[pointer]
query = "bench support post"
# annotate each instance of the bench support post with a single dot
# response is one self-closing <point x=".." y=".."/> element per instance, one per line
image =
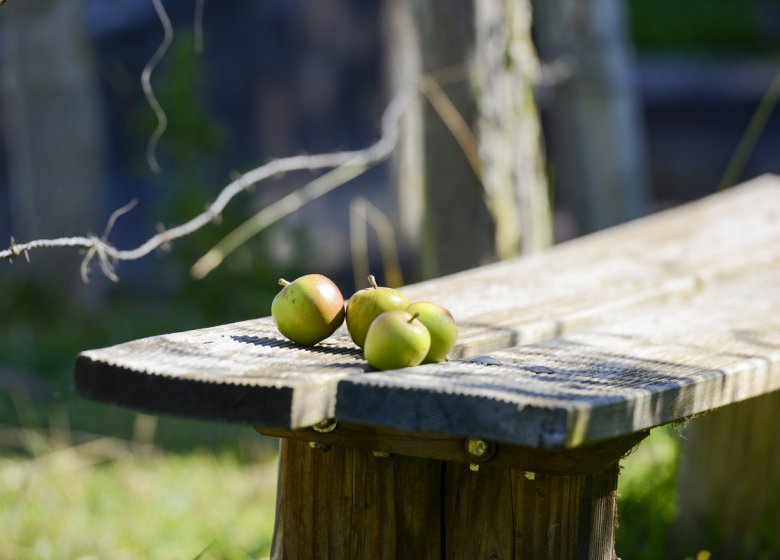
<point x="729" y="480"/>
<point x="339" y="501"/>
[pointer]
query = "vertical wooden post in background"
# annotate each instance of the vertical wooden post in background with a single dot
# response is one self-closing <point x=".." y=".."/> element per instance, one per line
<point x="54" y="137"/>
<point x="595" y="132"/>
<point x="461" y="214"/>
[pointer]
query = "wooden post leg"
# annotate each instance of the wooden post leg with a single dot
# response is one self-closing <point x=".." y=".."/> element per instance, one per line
<point x="729" y="481"/>
<point x="514" y="514"/>
<point x="344" y="502"/>
<point x="347" y="503"/>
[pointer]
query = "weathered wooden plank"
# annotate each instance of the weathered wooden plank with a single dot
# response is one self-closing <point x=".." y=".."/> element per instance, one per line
<point x="670" y="362"/>
<point x="242" y="372"/>
<point x="245" y="372"/>
<point x="595" y="277"/>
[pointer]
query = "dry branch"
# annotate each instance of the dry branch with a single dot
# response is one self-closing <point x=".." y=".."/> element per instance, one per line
<point x="108" y="255"/>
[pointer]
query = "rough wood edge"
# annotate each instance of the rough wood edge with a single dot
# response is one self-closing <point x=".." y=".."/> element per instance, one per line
<point x="166" y="395"/>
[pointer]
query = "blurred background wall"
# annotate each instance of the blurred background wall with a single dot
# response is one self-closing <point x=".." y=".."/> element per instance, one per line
<point x="280" y="78"/>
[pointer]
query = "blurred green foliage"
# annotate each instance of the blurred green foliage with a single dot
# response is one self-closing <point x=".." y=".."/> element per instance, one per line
<point x="190" y="153"/>
<point x="714" y="26"/>
<point x="113" y="502"/>
<point x="43" y="327"/>
<point x="647" y="496"/>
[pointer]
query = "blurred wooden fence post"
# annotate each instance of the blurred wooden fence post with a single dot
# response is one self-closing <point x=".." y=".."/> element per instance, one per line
<point x="595" y="129"/>
<point x="482" y="195"/>
<point x="52" y="126"/>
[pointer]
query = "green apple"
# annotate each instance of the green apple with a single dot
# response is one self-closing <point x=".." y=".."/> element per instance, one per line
<point x="396" y="339"/>
<point x="308" y="310"/>
<point x="440" y="325"/>
<point x="367" y="304"/>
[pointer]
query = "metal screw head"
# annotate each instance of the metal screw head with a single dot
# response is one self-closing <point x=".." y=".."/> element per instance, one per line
<point x="325" y="426"/>
<point x="478" y="449"/>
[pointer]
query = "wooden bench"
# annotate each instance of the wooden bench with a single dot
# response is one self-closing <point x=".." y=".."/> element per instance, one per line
<point x="565" y="360"/>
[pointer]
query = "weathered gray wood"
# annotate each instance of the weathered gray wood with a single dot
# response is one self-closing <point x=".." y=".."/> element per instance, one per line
<point x="600" y="276"/>
<point x="245" y="372"/>
<point x="669" y="362"/>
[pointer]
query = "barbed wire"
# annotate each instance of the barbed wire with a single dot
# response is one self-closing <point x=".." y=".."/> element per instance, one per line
<point x="108" y="256"/>
<point x="146" y="85"/>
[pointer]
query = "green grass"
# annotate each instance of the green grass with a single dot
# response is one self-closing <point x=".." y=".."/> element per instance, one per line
<point x="647" y="496"/>
<point x="108" y="498"/>
<point x="65" y="495"/>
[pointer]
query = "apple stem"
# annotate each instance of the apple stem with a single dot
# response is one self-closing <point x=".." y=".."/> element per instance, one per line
<point x="283" y="282"/>
<point x="372" y="281"/>
<point x="414" y="317"/>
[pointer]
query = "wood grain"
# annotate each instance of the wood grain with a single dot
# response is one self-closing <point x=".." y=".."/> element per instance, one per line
<point x="505" y="514"/>
<point x="603" y="275"/>
<point x="669" y="362"/>
<point x="345" y="503"/>
<point x="243" y="372"/>
<point x="605" y="381"/>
